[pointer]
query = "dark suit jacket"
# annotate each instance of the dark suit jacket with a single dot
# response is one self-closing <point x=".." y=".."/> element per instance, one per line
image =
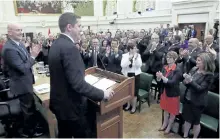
<point x="154" y="61"/>
<point x="69" y="90"/>
<point x="172" y="86"/>
<point x="199" y="88"/>
<point x="174" y="47"/>
<point x="192" y="35"/>
<point x="91" y="58"/>
<point x="186" y="63"/>
<point x="215" y="47"/>
<point x="113" y="63"/>
<point x="19" y="68"/>
<point x="46" y="48"/>
<point x="142" y="45"/>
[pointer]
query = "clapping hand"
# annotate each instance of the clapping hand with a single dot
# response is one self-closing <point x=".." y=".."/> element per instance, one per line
<point x="27" y="44"/>
<point x="159" y="75"/>
<point x="35" y="50"/>
<point x="188" y="78"/>
<point x="184" y="52"/>
<point x="153" y="47"/>
<point x="212" y="51"/>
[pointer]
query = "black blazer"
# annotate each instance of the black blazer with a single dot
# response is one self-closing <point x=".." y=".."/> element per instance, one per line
<point x="91" y="58"/>
<point x="174" y="47"/>
<point x="199" y="88"/>
<point x="215" y="47"/>
<point x="172" y="85"/>
<point x="69" y="91"/>
<point x="190" y="34"/>
<point x="19" y="64"/>
<point x="113" y="63"/>
<point x="154" y="61"/>
<point x="187" y="63"/>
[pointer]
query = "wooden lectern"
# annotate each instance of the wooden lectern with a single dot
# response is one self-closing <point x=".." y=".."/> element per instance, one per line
<point x="106" y="117"/>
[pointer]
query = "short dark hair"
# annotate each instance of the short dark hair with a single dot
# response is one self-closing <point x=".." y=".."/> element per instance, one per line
<point x="67" y="18"/>
<point x="129" y="47"/>
<point x="115" y="40"/>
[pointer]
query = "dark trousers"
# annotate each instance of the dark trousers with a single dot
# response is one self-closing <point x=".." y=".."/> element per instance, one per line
<point x="74" y="128"/>
<point x="28" y="109"/>
<point x="137" y="82"/>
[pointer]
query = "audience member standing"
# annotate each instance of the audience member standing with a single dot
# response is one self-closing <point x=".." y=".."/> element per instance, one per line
<point x="131" y="67"/>
<point x="69" y="90"/>
<point x="197" y="82"/>
<point x="169" y="79"/>
<point x="19" y="64"/>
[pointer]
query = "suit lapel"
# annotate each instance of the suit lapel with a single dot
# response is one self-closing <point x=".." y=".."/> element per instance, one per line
<point x="22" y="54"/>
<point x="158" y="47"/>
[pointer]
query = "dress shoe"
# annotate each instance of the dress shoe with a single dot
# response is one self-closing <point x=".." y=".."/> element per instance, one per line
<point x="132" y="112"/>
<point x="127" y="108"/>
<point x="37" y="134"/>
<point x="30" y="134"/>
<point x="162" y="129"/>
<point x="23" y="134"/>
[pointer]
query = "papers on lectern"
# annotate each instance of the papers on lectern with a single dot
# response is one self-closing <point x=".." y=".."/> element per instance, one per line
<point x="43" y="88"/>
<point x="91" y="79"/>
<point x="104" y="84"/>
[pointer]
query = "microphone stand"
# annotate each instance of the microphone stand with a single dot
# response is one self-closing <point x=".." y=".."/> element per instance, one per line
<point x="118" y="78"/>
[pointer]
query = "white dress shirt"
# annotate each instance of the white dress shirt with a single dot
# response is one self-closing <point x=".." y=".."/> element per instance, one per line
<point x="68" y="37"/>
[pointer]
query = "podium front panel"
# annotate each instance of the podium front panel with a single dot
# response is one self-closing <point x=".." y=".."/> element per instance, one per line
<point x="124" y="92"/>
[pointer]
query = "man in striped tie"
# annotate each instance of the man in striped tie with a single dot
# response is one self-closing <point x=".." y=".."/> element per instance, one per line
<point x="19" y="64"/>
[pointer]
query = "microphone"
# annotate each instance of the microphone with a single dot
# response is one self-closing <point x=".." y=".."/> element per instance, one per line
<point x="118" y="78"/>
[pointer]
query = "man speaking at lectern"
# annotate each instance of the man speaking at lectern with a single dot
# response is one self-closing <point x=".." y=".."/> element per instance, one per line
<point x="69" y="90"/>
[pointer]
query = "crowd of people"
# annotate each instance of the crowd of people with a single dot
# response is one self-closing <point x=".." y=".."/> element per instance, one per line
<point x="171" y="55"/>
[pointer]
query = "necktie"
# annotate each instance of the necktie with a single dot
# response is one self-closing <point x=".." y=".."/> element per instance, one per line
<point x="95" y="58"/>
<point x="23" y="50"/>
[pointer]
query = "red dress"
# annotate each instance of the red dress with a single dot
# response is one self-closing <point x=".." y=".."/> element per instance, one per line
<point x="169" y="104"/>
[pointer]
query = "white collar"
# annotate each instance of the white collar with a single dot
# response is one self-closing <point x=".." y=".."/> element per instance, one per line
<point x="16" y="42"/>
<point x="210" y="45"/>
<point x="68" y="37"/>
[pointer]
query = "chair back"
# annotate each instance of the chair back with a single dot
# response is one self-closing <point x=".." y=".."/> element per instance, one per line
<point x="145" y="81"/>
<point x="143" y="68"/>
<point x="212" y="108"/>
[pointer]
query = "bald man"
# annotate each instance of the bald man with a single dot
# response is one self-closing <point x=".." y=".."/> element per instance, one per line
<point x="209" y="39"/>
<point x="188" y="56"/>
<point x="19" y="64"/>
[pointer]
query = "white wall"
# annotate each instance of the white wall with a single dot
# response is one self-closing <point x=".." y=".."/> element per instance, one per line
<point x="163" y="4"/>
<point x="194" y="12"/>
<point x="167" y="11"/>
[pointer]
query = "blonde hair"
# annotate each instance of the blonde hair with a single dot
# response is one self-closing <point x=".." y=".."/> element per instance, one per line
<point x="172" y="54"/>
<point x="208" y="62"/>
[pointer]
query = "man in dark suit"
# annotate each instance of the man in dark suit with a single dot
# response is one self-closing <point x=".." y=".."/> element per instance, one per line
<point x="69" y="90"/>
<point x="209" y="44"/>
<point x="154" y="55"/>
<point x="188" y="56"/>
<point x="96" y="54"/>
<point x="192" y="32"/>
<point x="19" y="64"/>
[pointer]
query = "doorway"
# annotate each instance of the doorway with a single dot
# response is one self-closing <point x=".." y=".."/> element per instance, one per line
<point x="199" y="27"/>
